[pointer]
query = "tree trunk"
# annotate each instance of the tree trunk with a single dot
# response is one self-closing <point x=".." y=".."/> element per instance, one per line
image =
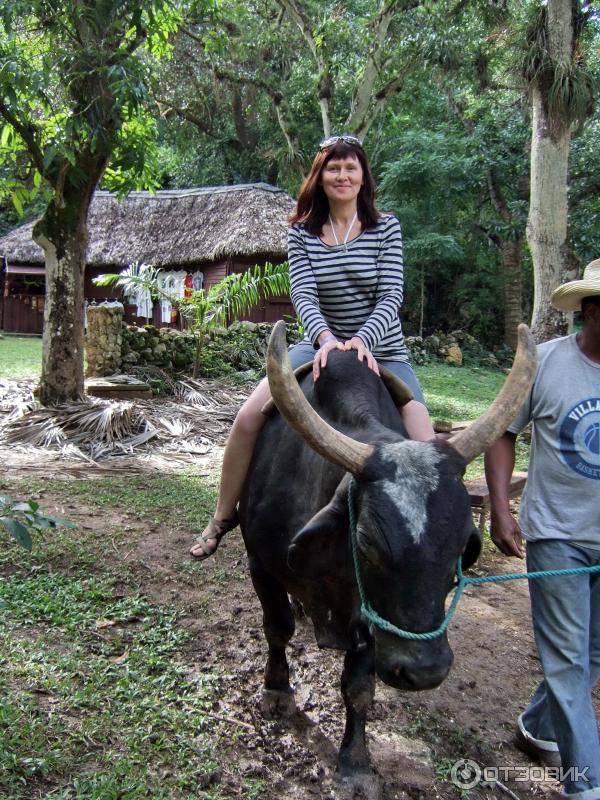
<point x="63" y="235"/>
<point x="510" y="250"/>
<point x="510" y="254"/>
<point x="547" y="221"/>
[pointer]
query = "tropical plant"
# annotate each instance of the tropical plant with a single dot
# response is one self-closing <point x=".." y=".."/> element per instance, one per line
<point x="557" y="48"/>
<point x="231" y="296"/>
<point x="22" y="518"/>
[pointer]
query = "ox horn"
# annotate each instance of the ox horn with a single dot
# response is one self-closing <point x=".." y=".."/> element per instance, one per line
<point x="482" y="433"/>
<point x="301" y="416"/>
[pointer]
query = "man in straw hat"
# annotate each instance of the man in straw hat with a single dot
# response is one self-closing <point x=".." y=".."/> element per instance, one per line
<point x="560" y="520"/>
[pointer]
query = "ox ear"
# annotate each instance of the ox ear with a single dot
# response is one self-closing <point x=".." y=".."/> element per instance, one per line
<point x="318" y="549"/>
<point x="472" y="550"/>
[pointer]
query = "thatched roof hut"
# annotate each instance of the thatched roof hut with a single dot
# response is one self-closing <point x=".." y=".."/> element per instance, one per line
<point x="175" y="228"/>
<point x="212" y="230"/>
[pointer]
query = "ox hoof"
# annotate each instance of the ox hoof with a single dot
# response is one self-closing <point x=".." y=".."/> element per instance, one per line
<point x="275" y="704"/>
<point x="367" y="785"/>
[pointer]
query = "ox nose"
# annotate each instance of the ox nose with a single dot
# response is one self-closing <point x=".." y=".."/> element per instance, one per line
<point x="416" y="673"/>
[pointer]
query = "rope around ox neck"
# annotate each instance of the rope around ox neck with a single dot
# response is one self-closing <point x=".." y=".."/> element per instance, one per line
<point x="462" y="581"/>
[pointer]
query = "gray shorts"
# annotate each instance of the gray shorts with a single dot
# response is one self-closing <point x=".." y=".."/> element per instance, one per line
<point x="303" y="352"/>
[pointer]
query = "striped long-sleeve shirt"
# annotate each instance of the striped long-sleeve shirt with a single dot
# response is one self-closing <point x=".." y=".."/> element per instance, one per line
<point x="353" y="292"/>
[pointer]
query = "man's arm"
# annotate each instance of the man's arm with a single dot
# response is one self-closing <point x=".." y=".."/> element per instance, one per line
<point x="499" y="465"/>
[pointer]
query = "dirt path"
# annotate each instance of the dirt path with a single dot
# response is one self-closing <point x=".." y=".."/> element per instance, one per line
<point x="414" y="738"/>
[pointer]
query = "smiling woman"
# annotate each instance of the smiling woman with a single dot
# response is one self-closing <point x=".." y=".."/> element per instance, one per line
<point x="346" y="277"/>
<point x="342" y="180"/>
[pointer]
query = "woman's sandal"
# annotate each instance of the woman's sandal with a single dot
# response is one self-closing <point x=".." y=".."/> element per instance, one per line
<point x="214" y="532"/>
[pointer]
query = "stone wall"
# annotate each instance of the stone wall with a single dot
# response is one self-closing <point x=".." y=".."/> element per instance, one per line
<point x="166" y="348"/>
<point x="103" y="339"/>
<point x="242" y="347"/>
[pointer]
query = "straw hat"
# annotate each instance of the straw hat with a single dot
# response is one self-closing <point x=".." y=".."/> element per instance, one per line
<point x="568" y="297"/>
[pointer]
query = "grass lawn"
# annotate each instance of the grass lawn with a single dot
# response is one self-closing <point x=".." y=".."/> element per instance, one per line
<point x="458" y="393"/>
<point x="20" y="356"/>
<point x="464" y="393"/>
<point x="98" y="701"/>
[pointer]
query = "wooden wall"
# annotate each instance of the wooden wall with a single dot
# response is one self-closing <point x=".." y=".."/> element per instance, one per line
<point x="23" y="313"/>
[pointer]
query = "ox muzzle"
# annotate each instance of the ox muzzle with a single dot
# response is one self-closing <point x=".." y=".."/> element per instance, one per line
<point x="411" y="665"/>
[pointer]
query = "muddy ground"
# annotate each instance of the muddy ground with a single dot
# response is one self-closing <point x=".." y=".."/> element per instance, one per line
<point x="414" y="738"/>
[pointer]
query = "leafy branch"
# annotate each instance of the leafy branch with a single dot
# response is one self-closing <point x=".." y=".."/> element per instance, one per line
<point x="22" y="518"/>
<point x="233" y="295"/>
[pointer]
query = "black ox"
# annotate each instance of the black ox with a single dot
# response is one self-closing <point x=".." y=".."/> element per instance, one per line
<point x="413" y="522"/>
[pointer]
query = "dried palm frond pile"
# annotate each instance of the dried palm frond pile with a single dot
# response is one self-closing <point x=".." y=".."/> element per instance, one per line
<point x="16" y="397"/>
<point x="91" y="429"/>
<point x="184" y="425"/>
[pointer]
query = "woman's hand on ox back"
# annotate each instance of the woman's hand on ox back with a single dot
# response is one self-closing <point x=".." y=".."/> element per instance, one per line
<point x="363" y="352"/>
<point x="320" y="359"/>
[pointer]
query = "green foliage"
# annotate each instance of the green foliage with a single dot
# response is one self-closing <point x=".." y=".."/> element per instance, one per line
<point x="432" y="174"/>
<point x="569" y="84"/>
<point x="244" y="91"/>
<point x="74" y="90"/>
<point x="238" y="292"/>
<point x="135" y="163"/>
<point x="231" y="296"/>
<point x="20" y="519"/>
<point x="241" y="350"/>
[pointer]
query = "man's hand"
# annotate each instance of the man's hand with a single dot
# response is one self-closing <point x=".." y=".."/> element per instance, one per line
<point x="363" y="352"/>
<point x="320" y="359"/>
<point x="506" y="534"/>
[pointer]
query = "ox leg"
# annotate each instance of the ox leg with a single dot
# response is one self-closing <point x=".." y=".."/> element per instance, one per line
<point x="358" y="688"/>
<point x="278" y="625"/>
<point x="356" y="776"/>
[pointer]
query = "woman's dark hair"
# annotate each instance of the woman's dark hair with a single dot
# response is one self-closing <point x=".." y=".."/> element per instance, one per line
<point x="312" y="209"/>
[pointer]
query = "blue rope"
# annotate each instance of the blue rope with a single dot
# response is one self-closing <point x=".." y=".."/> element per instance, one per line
<point x="462" y="582"/>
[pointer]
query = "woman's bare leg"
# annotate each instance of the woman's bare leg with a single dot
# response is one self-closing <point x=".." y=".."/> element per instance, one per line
<point x="236" y="460"/>
<point x="417" y="422"/>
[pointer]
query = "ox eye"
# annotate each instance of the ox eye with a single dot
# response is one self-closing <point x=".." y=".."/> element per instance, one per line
<point x="368" y="548"/>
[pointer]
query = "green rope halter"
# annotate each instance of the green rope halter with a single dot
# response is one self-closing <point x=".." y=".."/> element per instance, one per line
<point x="462" y="581"/>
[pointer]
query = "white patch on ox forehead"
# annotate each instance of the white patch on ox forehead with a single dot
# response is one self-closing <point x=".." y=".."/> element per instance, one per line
<point x="416" y="478"/>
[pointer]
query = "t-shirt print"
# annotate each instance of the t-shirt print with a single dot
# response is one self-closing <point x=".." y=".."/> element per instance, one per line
<point x="580" y="438"/>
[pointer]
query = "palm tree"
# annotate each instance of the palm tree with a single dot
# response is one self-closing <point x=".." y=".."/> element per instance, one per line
<point x="233" y="295"/>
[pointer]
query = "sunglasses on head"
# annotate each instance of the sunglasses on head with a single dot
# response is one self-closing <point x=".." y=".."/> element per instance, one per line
<point x="347" y="138"/>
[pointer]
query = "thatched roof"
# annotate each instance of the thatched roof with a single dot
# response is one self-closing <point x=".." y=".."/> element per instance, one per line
<point x="175" y="227"/>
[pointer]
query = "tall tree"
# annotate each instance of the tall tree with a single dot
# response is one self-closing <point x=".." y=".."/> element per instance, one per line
<point x="561" y="94"/>
<point x="307" y="65"/>
<point x="73" y="83"/>
<point x="464" y="52"/>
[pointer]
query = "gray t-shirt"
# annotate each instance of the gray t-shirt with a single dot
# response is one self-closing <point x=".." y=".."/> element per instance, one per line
<point x="562" y="495"/>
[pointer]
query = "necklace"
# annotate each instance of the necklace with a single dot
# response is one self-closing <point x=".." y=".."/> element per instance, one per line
<point x="348" y="229"/>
